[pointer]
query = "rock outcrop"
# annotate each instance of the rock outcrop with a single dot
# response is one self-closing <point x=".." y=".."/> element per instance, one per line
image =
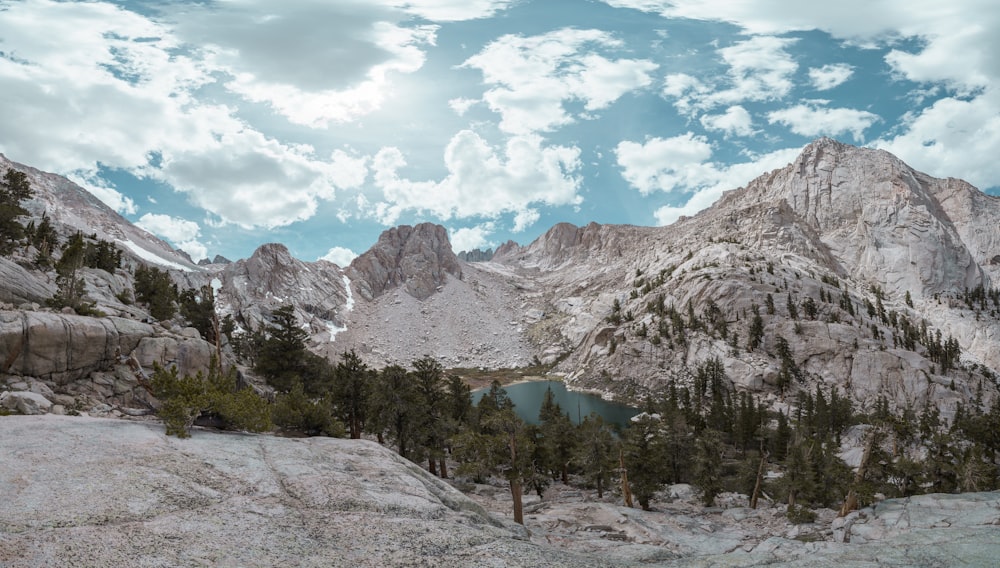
<point x="253" y="288"/>
<point x="18" y="286"/>
<point x="92" y="492"/>
<point x="417" y="258"/>
<point x="97" y="492"/>
<point x="85" y="360"/>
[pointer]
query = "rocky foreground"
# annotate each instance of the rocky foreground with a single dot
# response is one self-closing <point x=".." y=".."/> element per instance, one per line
<point x="80" y="491"/>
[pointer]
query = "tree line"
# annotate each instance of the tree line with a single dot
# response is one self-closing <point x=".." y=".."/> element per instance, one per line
<point x="703" y="433"/>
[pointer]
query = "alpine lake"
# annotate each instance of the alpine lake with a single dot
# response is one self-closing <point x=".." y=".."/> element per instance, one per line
<point x="527" y="398"/>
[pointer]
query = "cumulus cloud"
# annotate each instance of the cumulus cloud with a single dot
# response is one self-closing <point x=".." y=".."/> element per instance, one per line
<point x="953" y="138"/>
<point x="718" y="178"/>
<point x="106" y="192"/>
<point x="134" y="107"/>
<point x="817" y="120"/>
<point x="829" y="76"/>
<point x="451" y="10"/>
<point x="340" y="256"/>
<point x="482" y="180"/>
<point x="759" y="69"/>
<point x="736" y="121"/>
<point x="682" y="165"/>
<point x="471" y="238"/>
<point x="180" y="232"/>
<point x="532" y="78"/>
<point x="955" y="47"/>
<point x="664" y="164"/>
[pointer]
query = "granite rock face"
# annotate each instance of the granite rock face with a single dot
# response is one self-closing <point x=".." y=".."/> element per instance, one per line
<point x="418" y="258"/>
<point x="91" y="492"/>
<point x="96" y="492"/>
<point x="252" y="289"/>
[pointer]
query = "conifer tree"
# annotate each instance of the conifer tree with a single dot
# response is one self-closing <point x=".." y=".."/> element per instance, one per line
<point x="352" y="390"/>
<point x="644" y="458"/>
<point x="595" y="453"/>
<point x="14" y="188"/>
<point x="557" y="437"/>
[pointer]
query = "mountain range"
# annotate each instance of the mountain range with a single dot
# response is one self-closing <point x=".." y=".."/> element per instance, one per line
<point x="855" y="269"/>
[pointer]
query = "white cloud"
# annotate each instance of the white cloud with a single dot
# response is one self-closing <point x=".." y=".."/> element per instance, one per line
<point x="451" y="10"/>
<point x="829" y="76"/>
<point x="470" y="238"/>
<point x="717" y="179"/>
<point x="105" y="191"/>
<point x="482" y="181"/>
<point x="180" y="232"/>
<point x="681" y="165"/>
<point x="815" y="120"/>
<point x="953" y="138"/>
<point x="759" y="70"/>
<point x="955" y="46"/>
<point x="664" y="164"/>
<point x="532" y="78"/>
<point x="462" y="105"/>
<point x="340" y="256"/>
<point x="736" y="121"/>
<point x="124" y="97"/>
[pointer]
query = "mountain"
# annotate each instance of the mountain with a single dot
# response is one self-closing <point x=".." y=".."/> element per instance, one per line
<point x="868" y="277"/>
<point x="72" y="208"/>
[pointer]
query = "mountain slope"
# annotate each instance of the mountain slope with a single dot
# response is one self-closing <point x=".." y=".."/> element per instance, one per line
<point x="866" y="276"/>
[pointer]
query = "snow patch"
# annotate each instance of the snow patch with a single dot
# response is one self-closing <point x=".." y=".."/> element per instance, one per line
<point x="349" y="305"/>
<point x="153" y="257"/>
<point x="334" y="329"/>
<point x="216" y="285"/>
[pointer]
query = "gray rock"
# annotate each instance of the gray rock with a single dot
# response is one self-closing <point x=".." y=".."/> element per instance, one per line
<point x="110" y="492"/>
<point x="25" y="402"/>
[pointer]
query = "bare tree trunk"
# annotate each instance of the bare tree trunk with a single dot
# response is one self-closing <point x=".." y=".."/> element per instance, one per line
<point x="851" y="501"/>
<point x="444" y="467"/>
<point x="515" y="492"/>
<point x="626" y="490"/>
<point x="565" y="474"/>
<point x="760" y="481"/>
<point x="432" y="465"/>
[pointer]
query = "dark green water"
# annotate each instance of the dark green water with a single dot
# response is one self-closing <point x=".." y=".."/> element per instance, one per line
<point x="527" y="398"/>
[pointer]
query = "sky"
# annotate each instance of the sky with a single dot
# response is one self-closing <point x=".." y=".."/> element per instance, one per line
<point x="221" y="125"/>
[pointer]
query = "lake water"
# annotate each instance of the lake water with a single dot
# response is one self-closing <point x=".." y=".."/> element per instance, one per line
<point x="527" y="398"/>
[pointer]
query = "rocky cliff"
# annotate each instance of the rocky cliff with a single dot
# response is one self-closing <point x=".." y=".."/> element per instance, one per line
<point x="417" y="258"/>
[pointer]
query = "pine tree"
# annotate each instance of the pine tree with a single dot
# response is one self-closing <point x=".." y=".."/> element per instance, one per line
<point x="433" y="431"/>
<point x="394" y="407"/>
<point x="644" y="458"/>
<point x="756" y="333"/>
<point x="708" y="465"/>
<point x="71" y="286"/>
<point x="154" y="287"/>
<point x="186" y="398"/>
<point x="351" y="391"/>
<point x="281" y="359"/>
<point x="557" y="437"/>
<point x="595" y="452"/>
<point x="14" y="188"/>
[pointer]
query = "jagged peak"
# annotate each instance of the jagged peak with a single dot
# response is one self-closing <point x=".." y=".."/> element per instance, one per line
<point x="418" y="257"/>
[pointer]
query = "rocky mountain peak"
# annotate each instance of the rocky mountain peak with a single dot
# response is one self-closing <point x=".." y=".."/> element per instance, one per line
<point x="419" y="258"/>
<point x="867" y="215"/>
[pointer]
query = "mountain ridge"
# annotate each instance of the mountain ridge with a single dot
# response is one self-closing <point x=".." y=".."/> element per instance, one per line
<point x="626" y="310"/>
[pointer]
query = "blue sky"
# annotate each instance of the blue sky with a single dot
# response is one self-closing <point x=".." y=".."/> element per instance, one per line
<point x="223" y="125"/>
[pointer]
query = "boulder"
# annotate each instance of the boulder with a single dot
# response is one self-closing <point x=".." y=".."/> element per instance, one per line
<point x="25" y="402"/>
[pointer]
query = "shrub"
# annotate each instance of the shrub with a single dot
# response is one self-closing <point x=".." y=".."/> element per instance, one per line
<point x="186" y="398"/>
